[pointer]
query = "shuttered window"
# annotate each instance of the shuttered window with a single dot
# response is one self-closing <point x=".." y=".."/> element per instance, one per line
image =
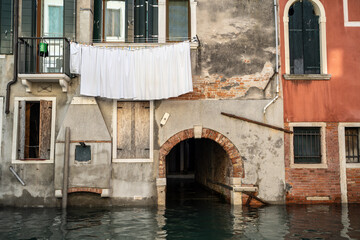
<point x="304" y="39"/>
<point x="58" y="18"/>
<point x="133" y="130"/>
<point x="6" y="26"/>
<point x="125" y="20"/>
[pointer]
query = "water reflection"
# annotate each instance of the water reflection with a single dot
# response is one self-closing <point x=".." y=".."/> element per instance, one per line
<point x="193" y="219"/>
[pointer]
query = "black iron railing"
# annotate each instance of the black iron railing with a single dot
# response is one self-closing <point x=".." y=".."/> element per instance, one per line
<point x="55" y="59"/>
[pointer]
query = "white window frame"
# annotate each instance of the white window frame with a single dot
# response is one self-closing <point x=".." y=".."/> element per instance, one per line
<point x="15" y="130"/>
<point x="320" y="11"/>
<point x="114" y="127"/>
<point x="322" y="126"/>
<point x="348" y="23"/>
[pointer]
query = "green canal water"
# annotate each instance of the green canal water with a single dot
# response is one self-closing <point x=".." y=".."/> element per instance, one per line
<point x="191" y="213"/>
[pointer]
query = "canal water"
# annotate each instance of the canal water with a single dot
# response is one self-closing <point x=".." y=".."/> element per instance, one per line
<point x="191" y="213"/>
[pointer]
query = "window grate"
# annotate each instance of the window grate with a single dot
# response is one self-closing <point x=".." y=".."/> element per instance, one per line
<point x="352" y="145"/>
<point x="307" y="145"/>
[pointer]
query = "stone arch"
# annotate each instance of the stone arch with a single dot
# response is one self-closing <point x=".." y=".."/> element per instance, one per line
<point x="223" y="141"/>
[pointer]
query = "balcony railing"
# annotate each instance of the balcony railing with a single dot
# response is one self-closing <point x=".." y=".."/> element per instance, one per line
<point x="57" y="59"/>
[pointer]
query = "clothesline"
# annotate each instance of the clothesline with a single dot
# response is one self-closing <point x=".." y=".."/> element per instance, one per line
<point x="140" y="74"/>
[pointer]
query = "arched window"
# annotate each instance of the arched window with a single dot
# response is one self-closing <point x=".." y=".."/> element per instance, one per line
<point x="305" y="38"/>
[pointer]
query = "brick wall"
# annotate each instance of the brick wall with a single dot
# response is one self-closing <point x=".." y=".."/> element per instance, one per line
<point x="219" y="87"/>
<point x="353" y="184"/>
<point x="315" y="182"/>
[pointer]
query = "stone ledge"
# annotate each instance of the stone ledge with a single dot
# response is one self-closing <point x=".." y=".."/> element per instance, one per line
<point x="245" y="189"/>
<point x="307" y="77"/>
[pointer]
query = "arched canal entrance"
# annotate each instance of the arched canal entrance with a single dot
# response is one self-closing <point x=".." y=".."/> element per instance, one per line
<point x="206" y="158"/>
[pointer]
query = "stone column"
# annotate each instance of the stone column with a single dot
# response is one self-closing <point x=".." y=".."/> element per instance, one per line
<point x="85" y="19"/>
<point x="161" y="191"/>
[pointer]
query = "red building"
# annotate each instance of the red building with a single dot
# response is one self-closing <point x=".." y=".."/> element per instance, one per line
<point x="320" y="64"/>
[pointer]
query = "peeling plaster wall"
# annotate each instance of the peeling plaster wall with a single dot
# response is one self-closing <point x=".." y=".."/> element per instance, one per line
<point x="237" y="49"/>
<point x="261" y="148"/>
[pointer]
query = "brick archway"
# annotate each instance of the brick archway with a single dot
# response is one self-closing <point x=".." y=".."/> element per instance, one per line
<point x="223" y="141"/>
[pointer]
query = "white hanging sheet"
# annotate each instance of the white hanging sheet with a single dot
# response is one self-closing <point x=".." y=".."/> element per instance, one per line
<point x="143" y="74"/>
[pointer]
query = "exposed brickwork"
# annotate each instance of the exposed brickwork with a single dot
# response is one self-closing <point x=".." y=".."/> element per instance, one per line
<point x="310" y="182"/>
<point x="219" y="87"/>
<point x="85" y="189"/>
<point x="223" y="141"/>
<point x="353" y="184"/>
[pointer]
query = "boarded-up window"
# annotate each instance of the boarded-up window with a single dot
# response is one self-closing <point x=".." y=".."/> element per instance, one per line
<point x="34" y="130"/>
<point x="133" y="130"/>
<point x="304" y="39"/>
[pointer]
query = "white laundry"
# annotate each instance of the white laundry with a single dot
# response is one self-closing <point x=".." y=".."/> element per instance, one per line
<point x="75" y="58"/>
<point x="143" y="74"/>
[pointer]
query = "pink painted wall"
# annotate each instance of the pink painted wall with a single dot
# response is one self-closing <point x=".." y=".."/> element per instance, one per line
<point x="337" y="99"/>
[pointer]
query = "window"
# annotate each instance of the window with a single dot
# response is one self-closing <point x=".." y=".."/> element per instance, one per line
<point x="305" y="39"/>
<point x="6" y="26"/>
<point x="133" y="131"/>
<point x="125" y="21"/>
<point x="352" y="145"/>
<point x="33" y="136"/>
<point x="307" y="145"/>
<point x="178" y="20"/>
<point x="57" y="18"/>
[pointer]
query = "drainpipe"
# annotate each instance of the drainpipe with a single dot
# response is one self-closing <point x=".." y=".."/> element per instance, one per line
<point x="277" y="59"/>
<point x="15" y="48"/>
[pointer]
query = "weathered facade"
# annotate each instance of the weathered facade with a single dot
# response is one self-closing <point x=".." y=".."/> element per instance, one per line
<point x="322" y="101"/>
<point x="120" y="150"/>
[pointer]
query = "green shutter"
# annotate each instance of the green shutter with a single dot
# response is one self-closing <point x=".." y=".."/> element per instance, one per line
<point x="311" y="39"/>
<point x="140" y="21"/>
<point x="97" y="21"/>
<point x="28" y="18"/>
<point x="153" y="21"/>
<point x="304" y="39"/>
<point x="6" y="26"/>
<point x="70" y="19"/>
<point x="129" y="19"/>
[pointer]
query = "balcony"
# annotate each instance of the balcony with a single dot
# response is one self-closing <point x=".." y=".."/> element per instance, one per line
<point x="49" y="66"/>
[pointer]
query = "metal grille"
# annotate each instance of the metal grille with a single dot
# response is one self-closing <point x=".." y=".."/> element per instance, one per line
<point x="56" y="61"/>
<point x="307" y="145"/>
<point x="352" y="145"/>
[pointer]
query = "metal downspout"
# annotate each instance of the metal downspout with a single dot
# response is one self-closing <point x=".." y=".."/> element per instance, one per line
<point x="277" y="58"/>
<point x="15" y="48"/>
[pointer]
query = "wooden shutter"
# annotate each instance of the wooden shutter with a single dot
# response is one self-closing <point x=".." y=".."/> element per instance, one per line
<point x="152" y="34"/>
<point x="28" y="18"/>
<point x="133" y="130"/>
<point x="21" y="129"/>
<point x="311" y="39"/>
<point x="140" y="20"/>
<point x="98" y="7"/>
<point x="70" y="19"/>
<point x="6" y="26"/>
<point x="45" y="129"/>
<point x="296" y="39"/>
<point x="304" y="39"/>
